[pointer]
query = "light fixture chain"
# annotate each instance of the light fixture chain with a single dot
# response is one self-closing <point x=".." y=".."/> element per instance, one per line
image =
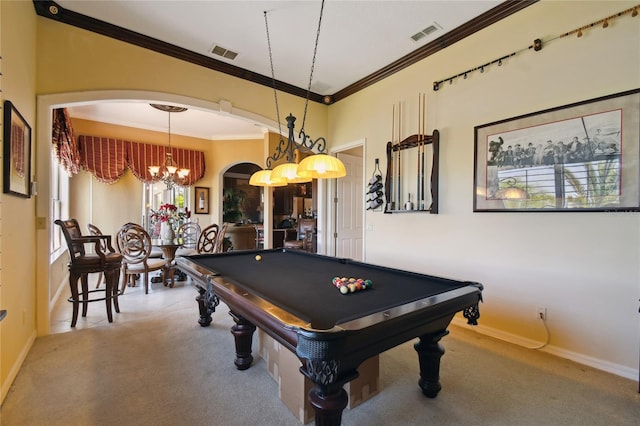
<point x="313" y="63"/>
<point x="273" y="76"/>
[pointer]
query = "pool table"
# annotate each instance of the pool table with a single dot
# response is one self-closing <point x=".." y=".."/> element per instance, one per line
<point x="290" y="295"/>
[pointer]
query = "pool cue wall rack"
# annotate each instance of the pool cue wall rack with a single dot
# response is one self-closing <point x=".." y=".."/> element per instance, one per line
<point x="418" y="142"/>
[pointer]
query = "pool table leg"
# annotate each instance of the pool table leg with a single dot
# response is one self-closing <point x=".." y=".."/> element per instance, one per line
<point x="429" y="354"/>
<point x="243" y="333"/>
<point x="207" y="302"/>
<point x="327" y="397"/>
<point x="328" y="406"/>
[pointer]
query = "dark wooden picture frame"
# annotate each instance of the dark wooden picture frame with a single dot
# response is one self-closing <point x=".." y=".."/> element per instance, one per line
<point x="17" y="153"/>
<point x="578" y="157"/>
<point x="202" y="200"/>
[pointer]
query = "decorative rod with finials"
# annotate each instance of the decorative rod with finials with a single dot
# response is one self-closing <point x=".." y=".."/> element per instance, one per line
<point x="536" y="46"/>
<point x="169" y="172"/>
<point x="318" y="165"/>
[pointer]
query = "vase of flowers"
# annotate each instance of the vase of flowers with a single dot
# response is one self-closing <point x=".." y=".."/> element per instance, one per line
<point x="169" y="217"/>
<point x="167" y="234"/>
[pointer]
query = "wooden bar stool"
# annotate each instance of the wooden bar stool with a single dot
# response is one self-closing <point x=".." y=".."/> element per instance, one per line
<point x="104" y="260"/>
<point x="304" y="237"/>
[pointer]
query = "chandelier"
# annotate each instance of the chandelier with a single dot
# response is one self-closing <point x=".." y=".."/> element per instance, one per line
<point x="169" y="172"/>
<point x="318" y="165"/>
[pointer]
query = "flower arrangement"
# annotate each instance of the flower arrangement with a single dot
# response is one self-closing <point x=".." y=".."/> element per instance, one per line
<point x="170" y="213"/>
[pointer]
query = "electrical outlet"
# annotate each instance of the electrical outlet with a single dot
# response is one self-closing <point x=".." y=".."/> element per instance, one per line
<point x="541" y="313"/>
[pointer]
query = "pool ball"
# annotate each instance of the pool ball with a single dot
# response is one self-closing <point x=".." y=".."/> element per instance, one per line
<point x="258" y="257"/>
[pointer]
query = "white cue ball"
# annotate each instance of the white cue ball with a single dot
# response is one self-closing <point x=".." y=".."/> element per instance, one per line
<point x="258" y="257"/>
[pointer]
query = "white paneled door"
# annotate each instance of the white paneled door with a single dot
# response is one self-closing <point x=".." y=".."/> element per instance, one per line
<point x="349" y="209"/>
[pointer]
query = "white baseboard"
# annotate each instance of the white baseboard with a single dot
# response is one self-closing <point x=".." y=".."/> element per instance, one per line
<point x="600" y="364"/>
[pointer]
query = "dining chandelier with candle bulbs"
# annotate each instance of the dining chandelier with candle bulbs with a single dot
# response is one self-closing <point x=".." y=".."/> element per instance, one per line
<point x="169" y="172"/>
<point x="318" y="165"/>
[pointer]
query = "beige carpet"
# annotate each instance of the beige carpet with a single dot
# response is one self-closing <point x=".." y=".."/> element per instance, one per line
<point x="164" y="369"/>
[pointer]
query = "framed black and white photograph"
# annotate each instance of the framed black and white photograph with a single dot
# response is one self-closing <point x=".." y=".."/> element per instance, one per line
<point x="578" y="157"/>
<point x="17" y="153"/>
<point x="202" y="200"/>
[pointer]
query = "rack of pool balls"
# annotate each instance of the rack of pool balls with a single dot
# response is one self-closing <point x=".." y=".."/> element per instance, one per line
<point x="351" y="285"/>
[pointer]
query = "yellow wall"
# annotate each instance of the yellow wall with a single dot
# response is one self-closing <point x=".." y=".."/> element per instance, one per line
<point x="17" y="241"/>
<point x="583" y="267"/>
<point x="94" y="62"/>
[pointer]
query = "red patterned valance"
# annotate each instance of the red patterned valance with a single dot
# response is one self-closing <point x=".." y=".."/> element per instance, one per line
<point x="64" y="142"/>
<point x="143" y="155"/>
<point x="104" y="158"/>
<point x="107" y="159"/>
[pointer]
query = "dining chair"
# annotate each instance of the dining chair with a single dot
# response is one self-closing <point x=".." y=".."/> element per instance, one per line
<point x="188" y="234"/>
<point x="211" y="239"/>
<point x="220" y="246"/>
<point x="304" y="237"/>
<point x="259" y="236"/>
<point x="104" y="260"/>
<point x="134" y="243"/>
<point x="94" y="230"/>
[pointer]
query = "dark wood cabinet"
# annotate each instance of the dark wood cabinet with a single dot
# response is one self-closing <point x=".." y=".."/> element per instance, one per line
<point x="283" y="197"/>
<point x="283" y="200"/>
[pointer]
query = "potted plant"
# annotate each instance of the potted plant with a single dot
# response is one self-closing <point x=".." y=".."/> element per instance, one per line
<point x="232" y="202"/>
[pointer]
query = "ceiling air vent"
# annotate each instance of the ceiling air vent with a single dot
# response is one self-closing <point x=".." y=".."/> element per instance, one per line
<point x="225" y="53"/>
<point x="430" y="29"/>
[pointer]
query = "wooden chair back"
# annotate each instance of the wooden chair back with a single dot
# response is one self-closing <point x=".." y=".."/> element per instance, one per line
<point x="106" y="243"/>
<point x="259" y="236"/>
<point x="220" y="238"/>
<point x="212" y="239"/>
<point x="134" y="243"/>
<point x="72" y="235"/>
<point x="304" y="226"/>
<point x="188" y="234"/>
<point x="208" y="239"/>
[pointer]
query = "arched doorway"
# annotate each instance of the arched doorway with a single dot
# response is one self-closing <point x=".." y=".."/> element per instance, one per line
<point x="50" y="284"/>
<point x="242" y="205"/>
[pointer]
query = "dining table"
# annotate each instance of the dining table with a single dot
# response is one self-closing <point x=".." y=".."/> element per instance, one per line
<point x="169" y="249"/>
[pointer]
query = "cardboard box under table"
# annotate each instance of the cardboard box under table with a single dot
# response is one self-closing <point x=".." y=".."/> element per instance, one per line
<point x="293" y="386"/>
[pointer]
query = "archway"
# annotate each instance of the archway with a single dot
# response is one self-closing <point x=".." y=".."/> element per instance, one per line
<point x="47" y="291"/>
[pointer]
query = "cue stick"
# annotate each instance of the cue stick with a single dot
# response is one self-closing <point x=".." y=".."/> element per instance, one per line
<point x="399" y="152"/>
<point x="392" y="159"/>
<point x="424" y="143"/>
<point x="418" y="158"/>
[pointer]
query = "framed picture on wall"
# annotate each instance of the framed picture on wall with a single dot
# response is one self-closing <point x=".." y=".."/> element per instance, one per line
<point x="578" y="157"/>
<point x="202" y="200"/>
<point x="17" y="153"/>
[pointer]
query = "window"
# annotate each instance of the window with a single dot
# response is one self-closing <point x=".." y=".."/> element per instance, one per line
<point x="59" y="194"/>
<point x="157" y="194"/>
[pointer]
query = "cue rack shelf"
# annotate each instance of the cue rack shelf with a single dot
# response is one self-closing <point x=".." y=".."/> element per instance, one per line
<point x="395" y="177"/>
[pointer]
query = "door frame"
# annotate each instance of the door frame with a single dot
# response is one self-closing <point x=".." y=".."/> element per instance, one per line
<point x="329" y="217"/>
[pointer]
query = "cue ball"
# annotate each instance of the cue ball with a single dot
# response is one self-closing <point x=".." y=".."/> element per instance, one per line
<point x="258" y="257"/>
